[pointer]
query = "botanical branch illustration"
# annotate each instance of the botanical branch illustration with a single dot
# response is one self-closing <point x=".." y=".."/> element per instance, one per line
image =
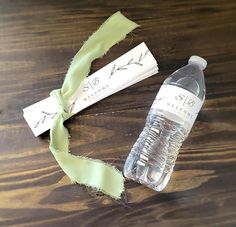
<point x="43" y="118"/>
<point x="130" y="62"/>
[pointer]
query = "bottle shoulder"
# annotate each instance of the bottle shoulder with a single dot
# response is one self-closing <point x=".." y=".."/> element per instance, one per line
<point x="190" y="78"/>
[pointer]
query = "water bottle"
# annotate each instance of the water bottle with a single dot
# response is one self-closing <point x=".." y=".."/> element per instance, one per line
<point x="169" y="121"/>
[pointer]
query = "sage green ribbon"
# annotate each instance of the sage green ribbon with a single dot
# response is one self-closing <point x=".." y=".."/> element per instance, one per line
<point x="90" y="172"/>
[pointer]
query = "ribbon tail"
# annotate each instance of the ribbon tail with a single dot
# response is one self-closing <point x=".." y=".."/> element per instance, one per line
<point x="90" y="172"/>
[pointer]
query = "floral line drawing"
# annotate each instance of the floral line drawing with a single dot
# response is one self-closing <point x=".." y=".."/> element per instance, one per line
<point x="130" y="62"/>
<point x="114" y="70"/>
<point x="43" y="118"/>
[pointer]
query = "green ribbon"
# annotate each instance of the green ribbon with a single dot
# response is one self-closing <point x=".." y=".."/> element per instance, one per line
<point x="90" y="172"/>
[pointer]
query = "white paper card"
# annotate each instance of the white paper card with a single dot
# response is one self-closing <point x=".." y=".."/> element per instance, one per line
<point x="130" y="68"/>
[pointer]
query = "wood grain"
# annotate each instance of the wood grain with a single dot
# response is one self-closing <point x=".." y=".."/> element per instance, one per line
<point x="38" y="40"/>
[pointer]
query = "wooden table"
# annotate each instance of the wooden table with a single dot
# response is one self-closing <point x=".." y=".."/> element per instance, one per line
<point x="38" y="40"/>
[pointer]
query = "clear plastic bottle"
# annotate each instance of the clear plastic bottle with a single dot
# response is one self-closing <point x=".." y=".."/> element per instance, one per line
<point x="169" y="121"/>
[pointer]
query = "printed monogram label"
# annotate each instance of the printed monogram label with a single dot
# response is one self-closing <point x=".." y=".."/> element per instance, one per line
<point x="178" y="101"/>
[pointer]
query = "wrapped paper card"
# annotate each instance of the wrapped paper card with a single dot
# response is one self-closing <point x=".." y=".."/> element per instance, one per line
<point x="130" y="68"/>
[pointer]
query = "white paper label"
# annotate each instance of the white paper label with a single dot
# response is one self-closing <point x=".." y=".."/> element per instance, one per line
<point x="132" y="67"/>
<point x="178" y="101"/>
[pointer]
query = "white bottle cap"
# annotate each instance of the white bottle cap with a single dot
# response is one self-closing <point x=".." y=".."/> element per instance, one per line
<point x="201" y="62"/>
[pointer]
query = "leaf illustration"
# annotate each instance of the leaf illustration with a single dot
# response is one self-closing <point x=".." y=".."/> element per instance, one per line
<point x="113" y="69"/>
<point x="130" y="61"/>
<point x="146" y="52"/>
<point x="45" y="113"/>
<point x="161" y="98"/>
<point x="37" y="124"/>
<point x="140" y="57"/>
<point x="121" y="68"/>
<point x="43" y="119"/>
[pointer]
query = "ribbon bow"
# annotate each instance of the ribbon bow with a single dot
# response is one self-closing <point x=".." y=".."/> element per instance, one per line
<point x="83" y="170"/>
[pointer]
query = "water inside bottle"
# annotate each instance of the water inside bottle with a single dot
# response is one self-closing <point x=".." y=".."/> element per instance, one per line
<point x="153" y="156"/>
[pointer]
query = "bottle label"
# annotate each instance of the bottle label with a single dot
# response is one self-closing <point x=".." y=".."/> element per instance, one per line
<point x="178" y="101"/>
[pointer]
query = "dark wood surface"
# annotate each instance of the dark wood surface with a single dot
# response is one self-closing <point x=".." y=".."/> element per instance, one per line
<point x="38" y="40"/>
